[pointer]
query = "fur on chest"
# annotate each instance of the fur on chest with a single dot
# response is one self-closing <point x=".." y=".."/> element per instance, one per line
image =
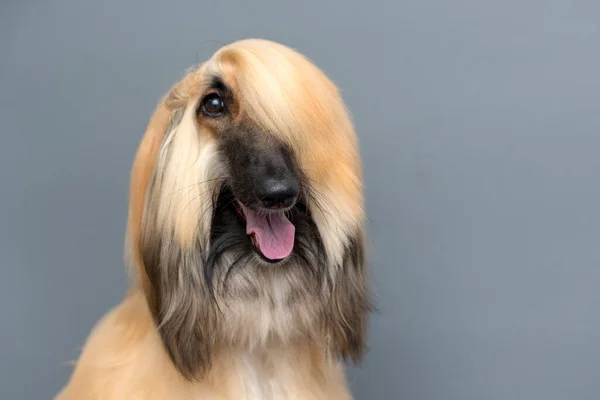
<point x="279" y="375"/>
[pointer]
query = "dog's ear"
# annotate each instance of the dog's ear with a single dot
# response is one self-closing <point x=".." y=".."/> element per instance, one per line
<point x="166" y="269"/>
<point x="141" y="175"/>
<point x="143" y="169"/>
<point x="351" y="302"/>
<point x="181" y="307"/>
<point x="176" y="292"/>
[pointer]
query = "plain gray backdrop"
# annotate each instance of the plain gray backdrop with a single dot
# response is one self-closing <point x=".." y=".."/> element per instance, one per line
<point x="479" y="123"/>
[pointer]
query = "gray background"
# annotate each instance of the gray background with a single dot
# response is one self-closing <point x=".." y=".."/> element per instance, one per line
<point x="480" y="129"/>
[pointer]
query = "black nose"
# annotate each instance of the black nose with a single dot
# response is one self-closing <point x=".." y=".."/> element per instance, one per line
<point x="277" y="193"/>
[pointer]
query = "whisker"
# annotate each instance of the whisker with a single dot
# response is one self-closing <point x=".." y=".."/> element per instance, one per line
<point x="198" y="184"/>
<point x="190" y="188"/>
<point x="317" y="198"/>
<point x="198" y="196"/>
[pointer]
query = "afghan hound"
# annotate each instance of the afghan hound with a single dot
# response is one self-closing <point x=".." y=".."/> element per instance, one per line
<point x="245" y="238"/>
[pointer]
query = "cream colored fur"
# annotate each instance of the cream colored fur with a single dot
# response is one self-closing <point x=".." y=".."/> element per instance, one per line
<point x="269" y="348"/>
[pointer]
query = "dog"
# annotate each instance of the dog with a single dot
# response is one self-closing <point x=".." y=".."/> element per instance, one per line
<point x="246" y="241"/>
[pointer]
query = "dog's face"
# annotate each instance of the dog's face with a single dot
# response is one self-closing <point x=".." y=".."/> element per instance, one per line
<point x="246" y="209"/>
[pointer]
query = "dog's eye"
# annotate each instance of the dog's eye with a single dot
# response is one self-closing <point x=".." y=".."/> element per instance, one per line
<point x="212" y="105"/>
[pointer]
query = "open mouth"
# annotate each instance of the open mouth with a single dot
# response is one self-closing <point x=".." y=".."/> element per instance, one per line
<point x="271" y="233"/>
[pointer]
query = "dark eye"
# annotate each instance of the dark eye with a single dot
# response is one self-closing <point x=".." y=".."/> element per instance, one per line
<point x="212" y="105"/>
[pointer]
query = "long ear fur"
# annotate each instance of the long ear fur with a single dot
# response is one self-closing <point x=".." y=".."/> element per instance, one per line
<point x="351" y="301"/>
<point x="142" y="172"/>
<point x="183" y="310"/>
<point x="167" y="269"/>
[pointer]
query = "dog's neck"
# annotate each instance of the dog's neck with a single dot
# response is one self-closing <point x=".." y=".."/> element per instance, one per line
<point x="275" y="371"/>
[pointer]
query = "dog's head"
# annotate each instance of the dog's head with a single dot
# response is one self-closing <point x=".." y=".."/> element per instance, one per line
<point x="246" y="209"/>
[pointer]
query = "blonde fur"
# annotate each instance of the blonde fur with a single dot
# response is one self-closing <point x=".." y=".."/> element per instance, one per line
<point x="268" y="335"/>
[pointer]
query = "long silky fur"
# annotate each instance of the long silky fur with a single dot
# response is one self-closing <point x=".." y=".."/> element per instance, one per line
<point x="185" y="279"/>
<point x="208" y="294"/>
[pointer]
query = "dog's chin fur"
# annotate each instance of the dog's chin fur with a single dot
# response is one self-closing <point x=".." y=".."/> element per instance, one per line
<point x="206" y="309"/>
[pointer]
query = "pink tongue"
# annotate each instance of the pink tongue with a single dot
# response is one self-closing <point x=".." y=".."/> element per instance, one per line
<point x="273" y="231"/>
